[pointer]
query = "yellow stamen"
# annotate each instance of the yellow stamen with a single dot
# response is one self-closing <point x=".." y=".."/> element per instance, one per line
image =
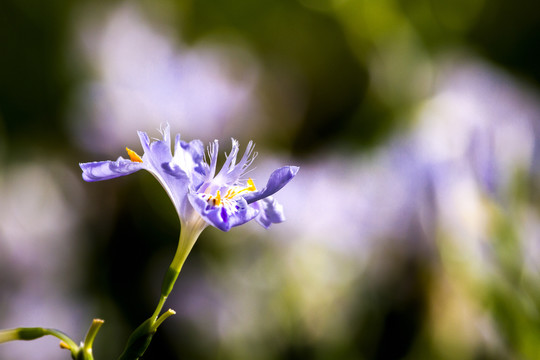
<point x="236" y="190"/>
<point x="251" y="185"/>
<point x="218" y="199"/>
<point x="63" y="345"/>
<point x="133" y="155"/>
<point x="231" y="193"/>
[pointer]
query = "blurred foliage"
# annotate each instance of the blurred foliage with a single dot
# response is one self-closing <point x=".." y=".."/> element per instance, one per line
<point x="330" y="45"/>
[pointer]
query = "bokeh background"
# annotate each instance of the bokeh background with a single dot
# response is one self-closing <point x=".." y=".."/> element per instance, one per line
<point x="413" y="226"/>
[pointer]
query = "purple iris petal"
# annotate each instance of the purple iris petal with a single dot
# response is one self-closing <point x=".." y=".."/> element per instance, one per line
<point x="271" y="212"/>
<point x="223" y="177"/>
<point x="105" y="170"/>
<point x="176" y="181"/>
<point x="278" y="179"/>
<point x="236" y="170"/>
<point x="155" y="153"/>
<point x="219" y="216"/>
<point x="244" y="214"/>
<point x="174" y="170"/>
<point x="232" y="170"/>
<point x="190" y="158"/>
<point x="213" y="149"/>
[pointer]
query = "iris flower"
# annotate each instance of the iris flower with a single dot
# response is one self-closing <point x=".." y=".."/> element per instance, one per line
<point x="223" y="200"/>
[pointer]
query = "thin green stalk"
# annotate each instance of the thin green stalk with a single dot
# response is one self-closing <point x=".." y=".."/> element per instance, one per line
<point x="83" y="352"/>
<point x="89" y="339"/>
<point x="188" y="236"/>
<point x="140" y="339"/>
<point x="32" y="333"/>
<point x="63" y="337"/>
<point x="163" y="317"/>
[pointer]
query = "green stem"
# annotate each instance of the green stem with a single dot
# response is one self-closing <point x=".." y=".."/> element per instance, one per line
<point x="188" y="237"/>
<point x="63" y="337"/>
<point x="32" y="333"/>
<point x="140" y="339"/>
<point x="89" y="339"/>
<point x="163" y="316"/>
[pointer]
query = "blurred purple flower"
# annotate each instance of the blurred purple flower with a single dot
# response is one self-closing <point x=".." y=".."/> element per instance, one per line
<point x="142" y="71"/>
<point x="199" y="195"/>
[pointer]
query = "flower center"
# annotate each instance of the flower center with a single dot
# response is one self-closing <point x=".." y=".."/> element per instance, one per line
<point x="234" y="191"/>
<point x="133" y="156"/>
